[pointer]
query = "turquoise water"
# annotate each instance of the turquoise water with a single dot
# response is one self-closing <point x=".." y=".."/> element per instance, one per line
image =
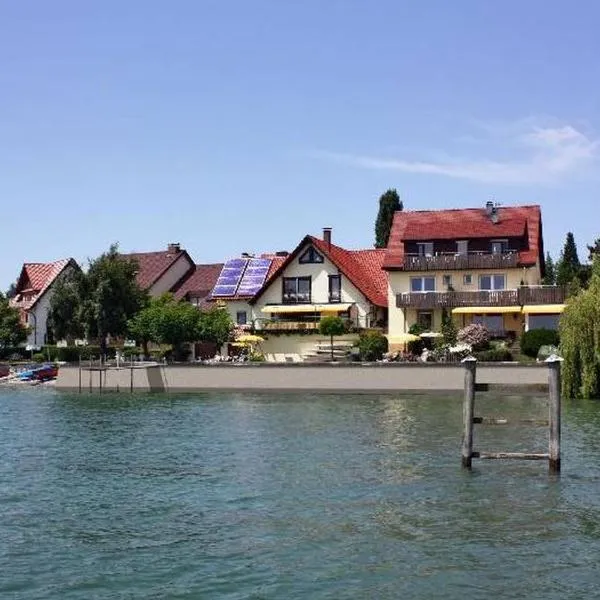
<point x="260" y="497"/>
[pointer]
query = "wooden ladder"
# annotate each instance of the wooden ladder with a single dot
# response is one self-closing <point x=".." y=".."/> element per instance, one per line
<point x="469" y="419"/>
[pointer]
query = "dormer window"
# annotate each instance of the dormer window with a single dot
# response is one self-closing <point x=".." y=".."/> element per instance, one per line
<point x="311" y="256"/>
<point x="499" y="246"/>
<point x="462" y="247"/>
<point x="425" y="248"/>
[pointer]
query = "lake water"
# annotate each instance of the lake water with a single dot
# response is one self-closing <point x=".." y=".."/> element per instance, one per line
<point x="269" y="497"/>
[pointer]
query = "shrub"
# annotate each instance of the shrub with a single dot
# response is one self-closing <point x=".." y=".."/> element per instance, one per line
<point x="449" y="330"/>
<point x="39" y="357"/>
<point x="372" y="345"/>
<point x="477" y="336"/>
<point x="497" y="354"/>
<point x="546" y="352"/>
<point x="534" y="339"/>
<point x="417" y="329"/>
<point x="256" y="357"/>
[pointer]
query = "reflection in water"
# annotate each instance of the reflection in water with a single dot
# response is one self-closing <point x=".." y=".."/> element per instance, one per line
<point x="306" y="496"/>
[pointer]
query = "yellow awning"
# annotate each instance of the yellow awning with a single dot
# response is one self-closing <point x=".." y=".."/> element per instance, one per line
<point x="485" y="310"/>
<point x="544" y="309"/>
<point x="305" y="308"/>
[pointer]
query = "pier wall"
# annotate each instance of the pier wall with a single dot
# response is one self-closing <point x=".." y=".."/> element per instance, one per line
<point x="384" y="377"/>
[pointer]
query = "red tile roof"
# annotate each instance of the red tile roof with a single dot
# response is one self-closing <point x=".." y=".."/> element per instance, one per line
<point x="362" y="267"/>
<point x="36" y="278"/>
<point x="152" y="265"/>
<point x="199" y="282"/>
<point x="465" y="224"/>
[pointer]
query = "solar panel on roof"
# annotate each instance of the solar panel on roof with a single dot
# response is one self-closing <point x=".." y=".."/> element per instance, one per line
<point x="230" y="277"/>
<point x="254" y="276"/>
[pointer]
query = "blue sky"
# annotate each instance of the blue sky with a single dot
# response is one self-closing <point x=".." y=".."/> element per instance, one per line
<point x="236" y="126"/>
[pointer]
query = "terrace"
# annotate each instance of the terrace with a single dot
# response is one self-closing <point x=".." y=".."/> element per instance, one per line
<point x="452" y="261"/>
<point x="487" y="298"/>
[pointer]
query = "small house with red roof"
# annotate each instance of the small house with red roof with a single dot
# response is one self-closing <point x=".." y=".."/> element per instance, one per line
<point x="33" y="294"/>
<point x="481" y="265"/>
<point x="162" y="271"/>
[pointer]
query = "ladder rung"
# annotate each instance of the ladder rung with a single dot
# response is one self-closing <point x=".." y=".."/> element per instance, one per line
<point x="501" y="421"/>
<point x="510" y="455"/>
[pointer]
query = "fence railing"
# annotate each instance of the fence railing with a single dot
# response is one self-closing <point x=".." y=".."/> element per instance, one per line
<point x="487" y="298"/>
<point x="454" y="262"/>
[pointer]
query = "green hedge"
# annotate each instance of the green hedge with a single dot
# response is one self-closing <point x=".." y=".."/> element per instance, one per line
<point x="534" y="339"/>
<point x="494" y="355"/>
<point x="372" y="345"/>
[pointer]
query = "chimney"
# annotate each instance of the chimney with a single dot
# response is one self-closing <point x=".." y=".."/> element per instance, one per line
<point x="327" y="236"/>
<point x="281" y="253"/>
<point x="174" y="247"/>
<point x="489" y="208"/>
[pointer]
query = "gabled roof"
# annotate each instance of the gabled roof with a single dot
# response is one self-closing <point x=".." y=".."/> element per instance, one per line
<point x="36" y="278"/>
<point x="198" y="282"/>
<point x="465" y="224"/>
<point x="153" y="265"/>
<point x="363" y="268"/>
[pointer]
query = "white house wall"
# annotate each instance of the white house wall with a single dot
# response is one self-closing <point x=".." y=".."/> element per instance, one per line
<point x="319" y="274"/>
<point x="175" y="272"/>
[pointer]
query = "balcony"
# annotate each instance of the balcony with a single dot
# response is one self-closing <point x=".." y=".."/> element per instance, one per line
<point x="461" y="262"/>
<point x="518" y="297"/>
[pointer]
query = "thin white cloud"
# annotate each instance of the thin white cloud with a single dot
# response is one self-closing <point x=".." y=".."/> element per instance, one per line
<point x="546" y="155"/>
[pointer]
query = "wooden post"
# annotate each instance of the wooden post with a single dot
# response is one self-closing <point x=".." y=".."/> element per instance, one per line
<point x="554" y="365"/>
<point x="131" y="380"/>
<point x="470" y="364"/>
<point x="80" y="373"/>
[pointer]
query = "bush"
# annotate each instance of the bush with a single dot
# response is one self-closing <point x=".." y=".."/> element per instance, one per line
<point x="14" y="353"/>
<point x="39" y="357"/>
<point x="498" y="354"/>
<point x="477" y="336"/>
<point x="534" y="339"/>
<point x="372" y="345"/>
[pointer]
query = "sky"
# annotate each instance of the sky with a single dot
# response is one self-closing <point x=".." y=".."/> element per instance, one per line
<point x="232" y="126"/>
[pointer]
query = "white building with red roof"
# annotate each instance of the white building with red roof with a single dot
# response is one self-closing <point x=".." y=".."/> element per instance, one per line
<point x="316" y="279"/>
<point x="480" y="265"/>
<point x="33" y="294"/>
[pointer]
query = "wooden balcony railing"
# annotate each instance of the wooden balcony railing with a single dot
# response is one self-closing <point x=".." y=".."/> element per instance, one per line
<point x="454" y="262"/>
<point x="518" y="297"/>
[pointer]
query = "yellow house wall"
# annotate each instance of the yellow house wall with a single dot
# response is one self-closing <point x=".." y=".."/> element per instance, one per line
<point x="399" y="282"/>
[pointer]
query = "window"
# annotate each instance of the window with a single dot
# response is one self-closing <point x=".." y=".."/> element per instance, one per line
<point x="296" y="290"/>
<point x="241" y="318"/>
<point x="468" y="279"/>
<point x="425" y="319"/>
<point x="425" y="248"/>
<point x="422" y="284"/>
<point x="543" y="322"/>
<point x="499" y="246"/>
<point x="311" y="256"/>
<point x="492" y="282"/>
<point x="495" y="323"/>
<point x="447" y="281"/>
<point x="462" y="247"/>
<point x="335" y="288"/>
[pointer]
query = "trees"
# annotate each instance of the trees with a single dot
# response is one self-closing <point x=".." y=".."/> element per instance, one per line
<point x="215" y="326"/>
<point x="12" y="331"/>
<point x="594" y="249"/>
<point x="580" y="341"/>
<point x="568" y="266"/>
<point x="168" y="321"/>
<point x="64" y="314"/>
<point x="449" y="329"/>
<point x="100" y="302"/>
<point x="389" y="202"/>
<point x="550" y="276"/>
<point x="12" y="291"/>
<point x="332" y="326"/>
